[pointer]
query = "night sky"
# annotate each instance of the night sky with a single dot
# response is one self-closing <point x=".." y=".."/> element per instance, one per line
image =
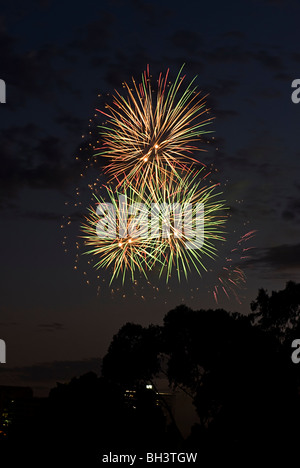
<point x="56" y="57"/>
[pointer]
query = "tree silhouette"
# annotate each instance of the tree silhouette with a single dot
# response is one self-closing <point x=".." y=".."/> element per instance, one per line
<point x="132" y="356"/>
<point x="133" y="360"/>
<point x="279" y="312"/>
<point x="236" y="369"/>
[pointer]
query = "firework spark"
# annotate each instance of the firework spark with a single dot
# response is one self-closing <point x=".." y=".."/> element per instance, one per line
<point x="231" y="279"/>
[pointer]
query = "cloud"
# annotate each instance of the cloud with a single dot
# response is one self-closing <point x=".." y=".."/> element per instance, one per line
<point x="292" y="209"/>
<point x="285" y="257"/>
<point x="283" y="77"/>
<point x="268" y="93"/>
<point x="223" y="87"/>
<point x="279" y="3"/>
<point x="186" y="40"/>
<point x="7" y="324"/>
<point x="149" y="13"/>
<point x="273" y="62"/>
<point x="50" y="327"/>
<point x="50" y="148"/>
<point x="237" y="54"/>
<point x="51" y="371"/>
<point x="235" y="34"/>
<point x="225" y="113"/>
<point x="70" y="122"/>
<point x="32" y="159"/>
<point x="95" y="36"/>
<point x="34" y="73"/>
<point x="226" y="54"/>
<point x="126" y="65"/>
<point x="42" y="216"/>
<point x="295" y="56"/>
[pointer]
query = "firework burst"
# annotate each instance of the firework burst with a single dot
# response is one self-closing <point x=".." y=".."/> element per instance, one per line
<point x="153" y="130"/>
<point x="113" y="243"/>
<point x="149" y="143"/>
<point x="160" y="231"/>
<point x="186" y="250"/>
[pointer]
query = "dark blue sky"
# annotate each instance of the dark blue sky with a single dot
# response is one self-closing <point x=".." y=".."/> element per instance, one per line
<point x="56" y="57"/>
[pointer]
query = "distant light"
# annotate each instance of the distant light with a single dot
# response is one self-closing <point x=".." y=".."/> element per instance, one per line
<point x="149" y="387"/>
